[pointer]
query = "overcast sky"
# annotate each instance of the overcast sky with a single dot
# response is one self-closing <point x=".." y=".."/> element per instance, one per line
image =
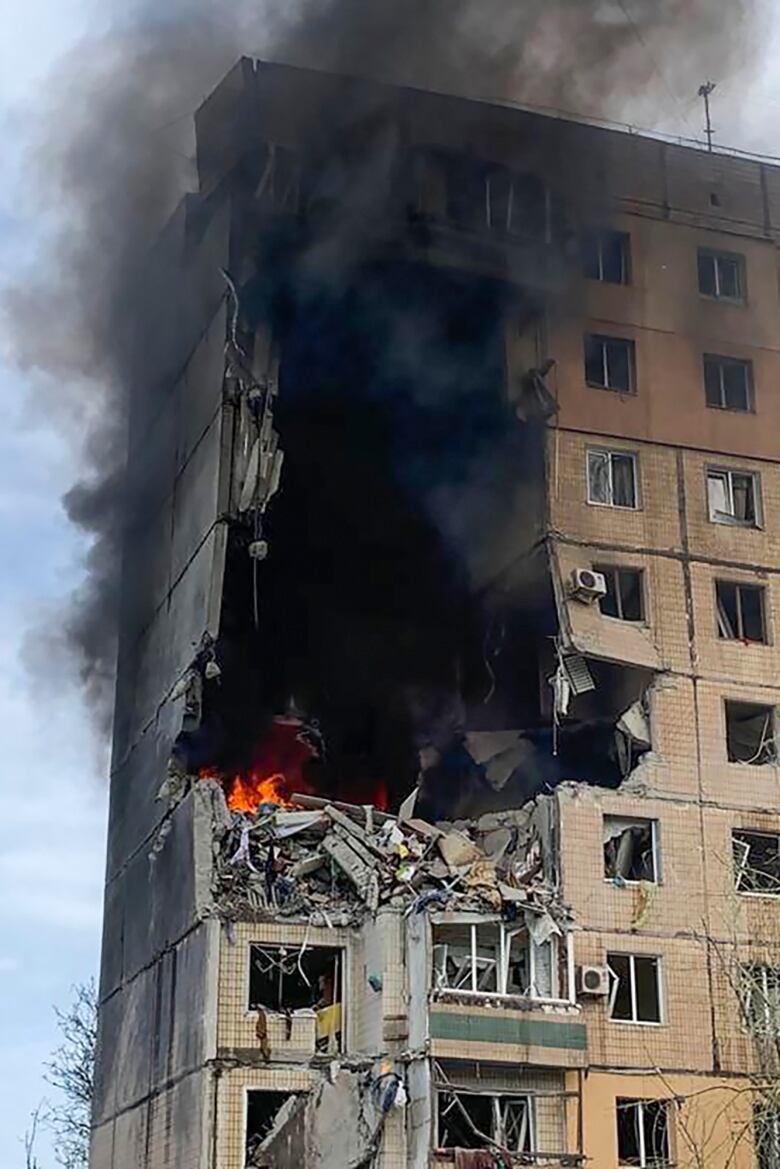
<point x="52" y="790"/>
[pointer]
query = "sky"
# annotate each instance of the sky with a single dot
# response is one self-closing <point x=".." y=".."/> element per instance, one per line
<point x="53" y="792"/>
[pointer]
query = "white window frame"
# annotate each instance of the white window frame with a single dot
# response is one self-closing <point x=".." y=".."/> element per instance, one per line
<point x="727" y="475"/>
<point x="721" y="361"/>
<point x="499" y="1102"/>
<point x="599" y="234"/>
<point x="654" y="844"/>
<point x="603" y="340"/>
<point x="721" y="623"/>
<point x="615" y="982"/>
<point x="740" y="866"/>
<point x="611" y="452"/>
<point x="478" y="964"/>
<point x="643" y="1161"/>
<point x="770" y="1028"/>
<point x="732" y="257"/>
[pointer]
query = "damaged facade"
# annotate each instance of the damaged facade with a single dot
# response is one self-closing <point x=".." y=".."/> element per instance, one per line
<point x="445" y="769"/>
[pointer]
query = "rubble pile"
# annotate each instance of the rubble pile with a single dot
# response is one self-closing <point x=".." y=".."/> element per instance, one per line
<point x="334" y="864"/>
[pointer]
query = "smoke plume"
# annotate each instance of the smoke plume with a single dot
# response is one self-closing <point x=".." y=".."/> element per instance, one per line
<point x="112" y="155"/>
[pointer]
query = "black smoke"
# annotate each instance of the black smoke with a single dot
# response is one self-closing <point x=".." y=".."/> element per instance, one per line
<point x="111" y="154"/>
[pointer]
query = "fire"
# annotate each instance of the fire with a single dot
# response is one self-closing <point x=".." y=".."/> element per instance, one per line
<point x="245" y="793"/>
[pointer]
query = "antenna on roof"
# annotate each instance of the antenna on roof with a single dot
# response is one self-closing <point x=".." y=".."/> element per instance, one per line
<point x="705" y="91"/>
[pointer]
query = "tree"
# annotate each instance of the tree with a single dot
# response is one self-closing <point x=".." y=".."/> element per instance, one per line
<point x="30" y="1159"/>
<point x="72" y="1071"/>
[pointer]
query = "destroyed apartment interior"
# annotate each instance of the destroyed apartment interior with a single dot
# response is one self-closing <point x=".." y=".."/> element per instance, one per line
<point x="444" y="804"/>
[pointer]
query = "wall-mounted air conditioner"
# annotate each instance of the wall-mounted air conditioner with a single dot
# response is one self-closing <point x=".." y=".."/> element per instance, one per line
<point x="587" y="585"/>
<point x="593" y="981"/>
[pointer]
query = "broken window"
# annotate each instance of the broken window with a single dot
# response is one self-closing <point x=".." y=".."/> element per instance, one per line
<point x="722" y="275"/>
<point x="762" y="1000"/>
<point x="468" y="1120"/>
<point x="261" y="1111"/>
<point x="643" y="1132"/>
<point x="740" y="609"/>
<point x="610" y="363"/>
<point x="631" y="849"/>
<point x="750" y="732"/>
<point x="482" y="195"/>
<point x="756" y="861"/>
<point x="624" y="598"/>
<point x="287" y="979"/>
<point x="606" y="256"/>
<point x="635" y="992"/>
<point x="733" y="497"/>
<point x="766" y="1130"/>
<point x="728" y="383"/>
<point x="612" y="478"/>
<point x="492" y="958"/>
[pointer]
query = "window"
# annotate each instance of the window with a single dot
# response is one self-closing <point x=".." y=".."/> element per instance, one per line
<point x="643" y="1132"/>
<point x="625" y="595"/>
<point x="482" y="195"/>
<point x="635" y="994"/>
<point x="606" y="256"/>
<point x="609" y="363"/>
<point x="750" y="732"/>
<point x="766" y="1128"/>
<point x="762" y="1000"/>
<point x="491" y="958"/>
<point x="733" y="497"/>
<point x="285" y="980"/>
<point x="631" y="849"/>
<point x="612" y="478"/>
<point x="756" y="861"/>
<point x="740" y="609"/>
<point x="728" y="383"/>
<point x="470" y="1120"/>
<point x="261" y="1111"/>
<point x="722" y="275"/>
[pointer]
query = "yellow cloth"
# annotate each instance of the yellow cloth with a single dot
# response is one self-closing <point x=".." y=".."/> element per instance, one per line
<point x="329" y="1021"/>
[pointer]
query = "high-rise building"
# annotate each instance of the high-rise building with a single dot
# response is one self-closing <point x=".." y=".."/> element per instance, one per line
<point x="455" y="450"/>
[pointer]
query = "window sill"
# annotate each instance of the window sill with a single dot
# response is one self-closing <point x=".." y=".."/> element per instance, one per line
<point x="637" y="1022"/>
<point x="613" y="506"/>
<point x="758" y="896"/>
<point x="734" y="301"/>
<point x="631" y="884"/>
<point x="731" y="409"/>
<point x="741" y="524"/>
<point x="611" y="389"/>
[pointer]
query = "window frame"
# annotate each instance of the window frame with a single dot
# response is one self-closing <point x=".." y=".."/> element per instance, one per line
<point x="722" y="360"/>
<point x="561" y="947"/>
<point x="615" y="983"/>
<point x="770" y="1029"/>
<point x="739" y="635"/>
<point x="597" y="237"/>
<point x="611" y="452"/>
<point x="604" y="339"/>
<point x="773" y="715"/>
<point x="614" y="571"/>
<point x="640" y="1105"/>
<point x="716" y="254"/>
<point x="735" y="832"/>
<point x="655" y="836"/>
<point x="730" y="520"/>
<point x="499" y="1120"/>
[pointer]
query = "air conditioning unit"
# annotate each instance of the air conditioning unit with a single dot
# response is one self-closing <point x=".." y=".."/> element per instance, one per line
<point x="594" y="981"/>
<point x="587" y="585"/>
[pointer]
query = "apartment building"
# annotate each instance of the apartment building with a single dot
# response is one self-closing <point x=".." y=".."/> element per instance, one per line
<point x="445" y="818"/>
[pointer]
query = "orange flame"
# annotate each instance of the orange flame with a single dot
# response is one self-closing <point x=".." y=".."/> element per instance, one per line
<point x="247" y="792"/>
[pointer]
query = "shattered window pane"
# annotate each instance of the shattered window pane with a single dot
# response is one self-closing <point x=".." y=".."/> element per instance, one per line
<point x="465" y="1120"/>
<point x="605" y="256"/>
<point x="756" y="861"/>
<point x="728" y="383"/>
<point x="516" y="1132"/>
<point x="762" y="999"/>
<point x="612" y="478"/>
<point x="721" y="275"/>
<point x="733" y="497"/>
<point x="635" y="996"/>
<point x="630" y="849"/>
<point x="624" y="597"/>
<point x="750" y="733"/>
<point x="643" y="1133"/>
<point x="261" y="1111"/>
<point x="740" y="611"/>
<point x="609" y="363"/>
<point x="280" y="978"/>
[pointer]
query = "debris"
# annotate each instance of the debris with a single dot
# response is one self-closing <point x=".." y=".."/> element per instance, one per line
<point x="458" y="850"/>
<point x="406" y="810"/>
